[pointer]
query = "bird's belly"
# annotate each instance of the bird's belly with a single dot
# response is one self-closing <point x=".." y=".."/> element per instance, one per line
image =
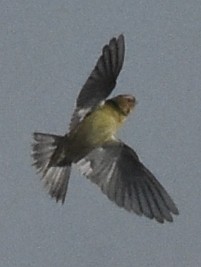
<point x="93" y="132"/>
<point x="100" y="129"/>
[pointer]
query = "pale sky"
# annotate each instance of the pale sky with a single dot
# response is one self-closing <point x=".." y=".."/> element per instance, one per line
<point x="47" y="51"/>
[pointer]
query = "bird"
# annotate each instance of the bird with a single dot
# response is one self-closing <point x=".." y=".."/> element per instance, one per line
<point x="92" y="145"/>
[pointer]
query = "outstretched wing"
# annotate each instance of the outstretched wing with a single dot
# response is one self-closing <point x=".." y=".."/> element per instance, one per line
<point x="116" y="169"/>
<point x="102" y="79"/>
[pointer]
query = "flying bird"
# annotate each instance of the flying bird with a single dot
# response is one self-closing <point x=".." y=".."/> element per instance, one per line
<point x="92" y="145"/>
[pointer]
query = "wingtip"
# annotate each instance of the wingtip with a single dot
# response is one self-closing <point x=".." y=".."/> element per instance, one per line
<point x="121" y="37"/>
<point x="175" y="211"/>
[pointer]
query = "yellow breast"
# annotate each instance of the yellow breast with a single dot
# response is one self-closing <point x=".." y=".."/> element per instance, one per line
<point x="99" y="126"/>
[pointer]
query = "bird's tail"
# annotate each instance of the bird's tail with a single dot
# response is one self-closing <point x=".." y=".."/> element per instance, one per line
<point x="55" y="177"/>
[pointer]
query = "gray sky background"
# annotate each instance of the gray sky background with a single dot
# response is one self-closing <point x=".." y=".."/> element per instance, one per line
<point x="47" y="50"/>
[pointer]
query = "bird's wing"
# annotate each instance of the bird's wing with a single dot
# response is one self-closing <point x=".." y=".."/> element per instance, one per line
<point x="116" y="169"/>
<point x="102" y="79"/>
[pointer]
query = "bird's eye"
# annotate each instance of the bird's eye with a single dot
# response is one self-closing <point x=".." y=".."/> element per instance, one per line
<point x="131" y="99"/>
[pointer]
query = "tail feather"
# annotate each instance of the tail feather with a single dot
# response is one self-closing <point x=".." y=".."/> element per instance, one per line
<point x="55" y="178"/>
<point x="56" y="181"/>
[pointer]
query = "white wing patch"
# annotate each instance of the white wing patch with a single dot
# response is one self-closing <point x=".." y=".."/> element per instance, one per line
<point x="84" y="167"/>
<point x="111" y="172"/>
<point x="78" y="116"/>
<point x="102" y="103"/>
<point x="82" y="112"/>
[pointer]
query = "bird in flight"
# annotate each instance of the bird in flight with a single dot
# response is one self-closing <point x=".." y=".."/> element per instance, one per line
<point x="92" y="145"/>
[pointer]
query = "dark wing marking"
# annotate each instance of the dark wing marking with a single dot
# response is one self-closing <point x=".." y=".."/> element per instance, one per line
<point x="102" y="79"/>
<point x="116" y="169"/>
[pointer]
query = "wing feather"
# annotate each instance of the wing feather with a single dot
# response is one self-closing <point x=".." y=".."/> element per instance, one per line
<point x="117" y="170"/>
<point x="101" y="81"/>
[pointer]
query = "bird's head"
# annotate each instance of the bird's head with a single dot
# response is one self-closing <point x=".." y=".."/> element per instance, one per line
<point x="125" y="103"/>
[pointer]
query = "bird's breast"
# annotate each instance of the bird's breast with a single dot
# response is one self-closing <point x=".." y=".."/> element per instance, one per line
<point x="96" y="128"/>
